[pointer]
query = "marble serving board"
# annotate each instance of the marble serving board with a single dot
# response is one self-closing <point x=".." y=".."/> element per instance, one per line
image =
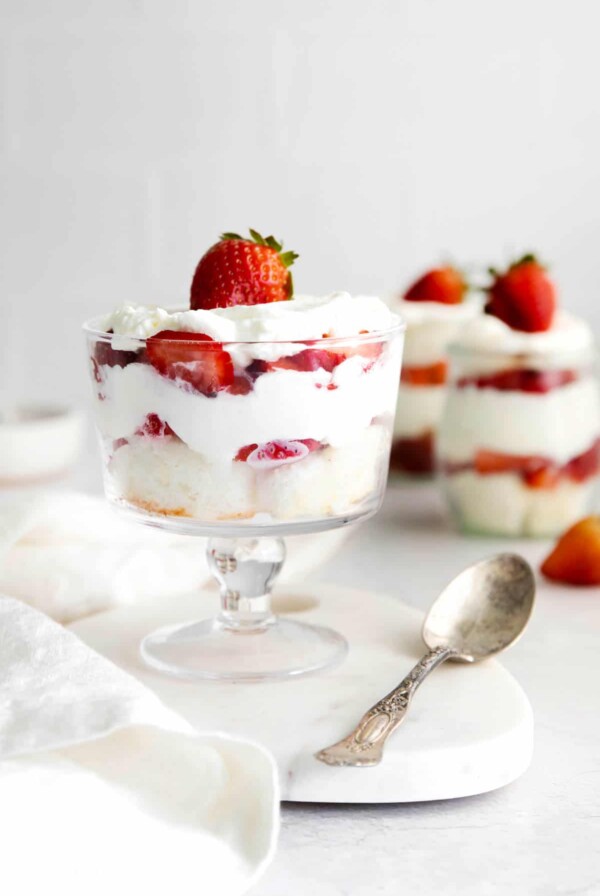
<point x="469" y="729"/>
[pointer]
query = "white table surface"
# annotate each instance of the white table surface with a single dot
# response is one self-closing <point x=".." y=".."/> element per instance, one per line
<point x="537" y="837"/>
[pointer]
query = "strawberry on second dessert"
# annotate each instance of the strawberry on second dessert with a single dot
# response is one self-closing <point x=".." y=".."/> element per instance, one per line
<point x="524" y="296"/>
<point x="446" y="285"/>
<point x="191" y="358"/>
<point x="435" y="307"/>
<point x="575" y="559"/>
<point x="240" y="271"/>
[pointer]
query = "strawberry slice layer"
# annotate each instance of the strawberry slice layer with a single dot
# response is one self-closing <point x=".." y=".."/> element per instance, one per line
<point x="431" y="375"/>
<point x="276" y="453"/>
<point x="154" y="427"/>
<point x="307" y="360"/>
<point x="535" y="471"/>
<point x="106" y="356"/>
<point x="414" y="455"/>
<point x="521" y="380"/>
<point x="193" y="359"/>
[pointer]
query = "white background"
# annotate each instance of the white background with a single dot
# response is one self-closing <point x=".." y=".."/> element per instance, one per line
<point x="375" y="137"/>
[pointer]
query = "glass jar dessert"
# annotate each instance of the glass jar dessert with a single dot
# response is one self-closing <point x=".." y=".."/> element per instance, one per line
<point x="520" y="435"/>
<point x="434" y="308"/>
<point x="246" y="420"/>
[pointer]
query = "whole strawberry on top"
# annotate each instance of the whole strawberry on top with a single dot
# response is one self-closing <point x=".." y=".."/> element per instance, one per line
<point x="239" y="271"/>
<point x="446" y="285"/>
<point x="524" y="296"/>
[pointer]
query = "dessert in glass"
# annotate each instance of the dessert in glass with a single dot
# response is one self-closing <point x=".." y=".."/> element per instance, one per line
<point x="520" y="436"/>
<point x="252" y="416"/>
<point x="434" y="308"/>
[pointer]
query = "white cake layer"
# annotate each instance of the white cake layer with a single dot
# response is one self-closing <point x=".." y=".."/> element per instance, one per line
<point x="501" y="504"/>
<point x="164" y="475"/>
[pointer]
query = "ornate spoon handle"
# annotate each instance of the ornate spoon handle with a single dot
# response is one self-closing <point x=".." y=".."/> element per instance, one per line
<point x="364" y="746"/>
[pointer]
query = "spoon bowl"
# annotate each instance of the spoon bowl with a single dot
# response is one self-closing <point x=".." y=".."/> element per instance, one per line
<point x="483" y="610"/>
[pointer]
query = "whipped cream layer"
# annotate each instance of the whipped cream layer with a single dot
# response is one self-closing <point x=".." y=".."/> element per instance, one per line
<point x="419" y="410"/>
<point x="284" y="404"/>
<point x="431" y="326"/>
<point x="558" y="425"/>
<point x="301" y="318"/>
<point x="567" y="335"/>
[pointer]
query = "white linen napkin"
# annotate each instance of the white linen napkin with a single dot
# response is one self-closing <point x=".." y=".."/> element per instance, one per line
<point x="71" y="554"/>
<point x="105" y="790"/>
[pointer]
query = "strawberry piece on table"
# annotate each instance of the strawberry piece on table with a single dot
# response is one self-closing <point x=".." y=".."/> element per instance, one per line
<point x="446" y="285"/>
<point x="575" y="559"/>
<point x="239" y="271"/>
<point x="191" y="358"/>
<point x="523" y="297"/>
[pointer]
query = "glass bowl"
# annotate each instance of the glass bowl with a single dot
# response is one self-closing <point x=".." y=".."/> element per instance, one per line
<point x="244" y="442"/>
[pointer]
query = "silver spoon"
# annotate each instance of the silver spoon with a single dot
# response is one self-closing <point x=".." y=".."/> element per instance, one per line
<point x="481" y="612"/>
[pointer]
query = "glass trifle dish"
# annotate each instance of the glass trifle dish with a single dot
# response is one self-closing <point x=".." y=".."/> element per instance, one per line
<point x="435" y="307"/>
<point x="520" y="436"/>
<point x="252" y="415"/>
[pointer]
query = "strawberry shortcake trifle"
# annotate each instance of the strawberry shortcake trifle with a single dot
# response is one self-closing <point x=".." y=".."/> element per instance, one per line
<point x="520" y="437"/>
<point x="252" y="407"/>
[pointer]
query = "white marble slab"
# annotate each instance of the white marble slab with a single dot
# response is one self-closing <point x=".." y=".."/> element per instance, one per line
<point x="469" y="730"/>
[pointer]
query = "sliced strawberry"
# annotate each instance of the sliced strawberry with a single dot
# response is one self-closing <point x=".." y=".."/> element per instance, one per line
<point x="277" y="453"/>
<point x="585" y="465"/>
<point x="446" y="285"/>
<point x="106" y="355"/>
<point x="575" y="559"/>
<point x="414" y="455"/>
<point x="523" y="297"/>
<point x="431" y="375"/>
<point x="543" y="477"/>
<point x="308" y="359"/>
<point x="489" y="462"/>
<point x="370" y="351"/>
<point x="191" y="358"/>
<point x="521" y="380"/>
<point x="246" y="451"/>
<point x="241" y="385"/>
<point x="154" y="427"/>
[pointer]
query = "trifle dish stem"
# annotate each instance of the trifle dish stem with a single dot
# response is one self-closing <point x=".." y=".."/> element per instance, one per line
<point x="245" y="641"/>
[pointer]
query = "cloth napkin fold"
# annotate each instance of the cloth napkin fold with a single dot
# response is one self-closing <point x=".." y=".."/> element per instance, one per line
<point x="105" y="790"/>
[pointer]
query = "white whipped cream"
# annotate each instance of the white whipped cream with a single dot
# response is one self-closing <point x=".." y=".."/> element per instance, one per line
<point x="284" y="404"/>
<point x="431" y="326"/>
<point x="419" y="410"/>
<point x="301" y="318"/>
<point x="558" y="425"/>
<point x="415" y="313"/>
<point x="488" y="333"/>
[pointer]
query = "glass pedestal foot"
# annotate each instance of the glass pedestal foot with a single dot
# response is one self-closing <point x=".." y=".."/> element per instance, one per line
<point x="206" y="649"/>
<point x="245" y="642"/>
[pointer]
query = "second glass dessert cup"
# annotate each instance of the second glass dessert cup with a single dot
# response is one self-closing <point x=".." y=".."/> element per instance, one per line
<point x="245" y="443"/>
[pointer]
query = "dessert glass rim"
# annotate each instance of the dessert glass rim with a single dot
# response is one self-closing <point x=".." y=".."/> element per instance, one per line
<point x="91" y="328"/>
